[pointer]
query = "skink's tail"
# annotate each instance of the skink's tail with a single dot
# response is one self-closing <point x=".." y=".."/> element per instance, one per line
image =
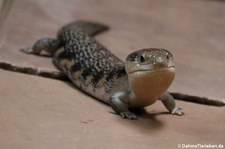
<point x="90" y="28"/>
<point x="196" y="99"/>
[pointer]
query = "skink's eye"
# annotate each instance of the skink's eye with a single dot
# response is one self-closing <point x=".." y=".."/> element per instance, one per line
<point x="167" y="56"/>
<point x="142" y="59"/>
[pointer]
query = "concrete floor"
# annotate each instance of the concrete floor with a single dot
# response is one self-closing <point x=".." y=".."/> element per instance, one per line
<point x="37" y="112"/>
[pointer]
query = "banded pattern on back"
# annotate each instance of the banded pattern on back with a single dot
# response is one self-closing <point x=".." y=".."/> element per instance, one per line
<point x="87" y="63"/>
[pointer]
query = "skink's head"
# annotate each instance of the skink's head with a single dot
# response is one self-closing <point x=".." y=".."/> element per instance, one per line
<point x="150" y="72"/>
<point x="149" y="60"/>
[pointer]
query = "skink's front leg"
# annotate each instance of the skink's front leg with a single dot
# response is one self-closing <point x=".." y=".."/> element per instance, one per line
<point x="120" y="106"/>
<point x="170" y="104"/>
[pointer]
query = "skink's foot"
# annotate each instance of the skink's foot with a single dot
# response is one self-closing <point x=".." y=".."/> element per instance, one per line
<point x="128" y="115"/>
<point x="169" y="103"/>
<point x="27" y="50"/>
<point x="121" y="106"/>
<point x="177" y="111"/>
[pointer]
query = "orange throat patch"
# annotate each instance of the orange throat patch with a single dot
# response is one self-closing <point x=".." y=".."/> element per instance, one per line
<point x="148" y="86"/>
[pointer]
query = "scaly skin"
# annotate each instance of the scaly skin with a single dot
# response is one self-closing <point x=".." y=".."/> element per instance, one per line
<point x="140" y="81"/>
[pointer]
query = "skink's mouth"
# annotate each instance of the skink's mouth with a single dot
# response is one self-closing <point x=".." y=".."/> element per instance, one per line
<point x="170" y="68"/>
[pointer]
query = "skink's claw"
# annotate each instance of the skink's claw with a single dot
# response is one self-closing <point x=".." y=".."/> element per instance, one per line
<point x="177" y="111"/>
<point x="128" y="115"/>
